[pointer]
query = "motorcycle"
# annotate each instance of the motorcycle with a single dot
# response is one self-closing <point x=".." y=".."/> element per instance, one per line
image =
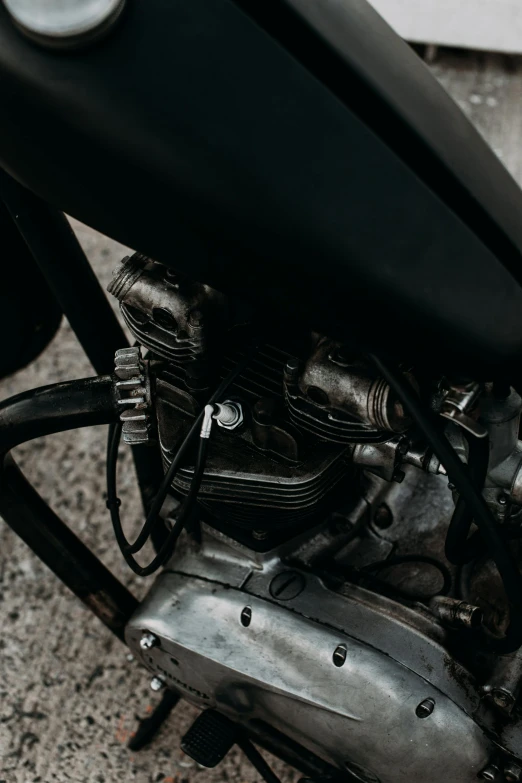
<point x="323" y="399"/>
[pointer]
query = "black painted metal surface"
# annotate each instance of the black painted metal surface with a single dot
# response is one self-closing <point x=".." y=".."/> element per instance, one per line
<point x="66" y="270"/>
<point x="29" y="314"/>
<point x="192" y="121"/>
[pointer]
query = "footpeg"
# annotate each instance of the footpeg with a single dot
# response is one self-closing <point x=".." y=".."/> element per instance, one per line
<point x="210" y="738"/>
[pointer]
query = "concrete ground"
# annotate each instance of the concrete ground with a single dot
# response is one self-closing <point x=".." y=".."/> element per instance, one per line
<point x="70" y="693"/>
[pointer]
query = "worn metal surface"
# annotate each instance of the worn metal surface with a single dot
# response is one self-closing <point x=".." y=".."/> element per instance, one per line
<point x="68" y="698"/>
<point x="279" y="668"/>
<point x="179" y="319"/>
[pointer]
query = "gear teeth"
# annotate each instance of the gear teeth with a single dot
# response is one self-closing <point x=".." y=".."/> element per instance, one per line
<point x="133" y="391"/>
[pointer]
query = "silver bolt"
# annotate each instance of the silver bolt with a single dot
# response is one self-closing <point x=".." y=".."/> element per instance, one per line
<point x="455" y="613"/>
<point x="502" y="500"/>
<point x="425" y="708"/>
<point x="148" y="641"/>
<point x="491" y="773"/>
<point x="156" y="684"/>
<point x="292" y="368"/>
<point x="512" y="773"/>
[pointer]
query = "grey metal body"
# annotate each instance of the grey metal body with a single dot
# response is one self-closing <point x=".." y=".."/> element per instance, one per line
<point x="348" y="675"/>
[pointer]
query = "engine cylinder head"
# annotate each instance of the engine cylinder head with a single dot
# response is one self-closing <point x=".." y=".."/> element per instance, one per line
<point x="339" y="398"/>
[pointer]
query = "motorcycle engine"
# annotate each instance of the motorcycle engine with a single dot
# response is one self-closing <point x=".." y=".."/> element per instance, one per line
<point x="313" y="596"/>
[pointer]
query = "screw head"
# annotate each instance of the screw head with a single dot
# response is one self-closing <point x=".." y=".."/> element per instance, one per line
<point x="246" y="616"/>
<point x="157" y="684"/>
<point x="339" y="656"/>
<point x="287" y="585"/>
<point x="425" y="708"/>
<point x="292" y="368"/>
<point x="148" y="641"/>
<point x="502" y="500"/>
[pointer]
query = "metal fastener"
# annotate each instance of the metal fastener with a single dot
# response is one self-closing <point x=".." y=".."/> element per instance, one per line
<point x="157" y="684"/>
<point x="246" y="616"/>
<point x="513" y="773"/>
<point x="287" y="585"/>
<point x="491" y="773"/>
<point x="339" y="656"/>
<point x="229" y="414"/>
<point x="292" y="368"/>
<point x="455" y="613"/>
<point x="148" y="641"/>
<point x="425" y="708"/>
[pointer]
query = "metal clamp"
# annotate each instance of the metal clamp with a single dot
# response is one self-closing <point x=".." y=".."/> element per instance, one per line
<point x="459" y="401"/>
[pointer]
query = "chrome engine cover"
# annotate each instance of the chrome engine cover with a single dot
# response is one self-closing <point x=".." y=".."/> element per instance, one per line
<point x="341" y="674"/>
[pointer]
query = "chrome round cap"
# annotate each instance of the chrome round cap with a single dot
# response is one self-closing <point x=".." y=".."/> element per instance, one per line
<point x="65" y="23"/>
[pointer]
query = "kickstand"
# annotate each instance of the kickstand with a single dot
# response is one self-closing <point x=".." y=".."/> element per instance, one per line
<point x="149" y="727"/>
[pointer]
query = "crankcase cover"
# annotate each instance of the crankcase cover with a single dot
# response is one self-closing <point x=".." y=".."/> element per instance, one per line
<point x="351" y="704"/>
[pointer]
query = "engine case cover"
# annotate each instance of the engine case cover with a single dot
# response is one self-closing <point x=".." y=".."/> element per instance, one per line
<point x="275" y="664"/>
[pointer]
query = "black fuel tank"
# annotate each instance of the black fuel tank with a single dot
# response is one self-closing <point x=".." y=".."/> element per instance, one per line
<point x="293" y="151"/>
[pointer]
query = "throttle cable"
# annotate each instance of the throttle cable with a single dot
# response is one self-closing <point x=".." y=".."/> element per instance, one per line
<point x="201" y="424"/>
<point x="459" y="548"/>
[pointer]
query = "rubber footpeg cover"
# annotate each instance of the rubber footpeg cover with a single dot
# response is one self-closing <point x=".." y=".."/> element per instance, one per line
<point x="210" y="738"/>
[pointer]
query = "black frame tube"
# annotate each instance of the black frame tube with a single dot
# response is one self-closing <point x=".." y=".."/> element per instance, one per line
<point x="56" y="408"/>
<point x="39" y="412"/>
<point x="57" y="252"/>
<point x="29" y="516"/>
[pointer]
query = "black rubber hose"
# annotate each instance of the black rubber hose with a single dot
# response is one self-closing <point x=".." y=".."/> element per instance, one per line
<point x="457" y="473"/>
<point x="457" y="548"/>
<point x="168" y="546"/>
<point x="153" y="517"/>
